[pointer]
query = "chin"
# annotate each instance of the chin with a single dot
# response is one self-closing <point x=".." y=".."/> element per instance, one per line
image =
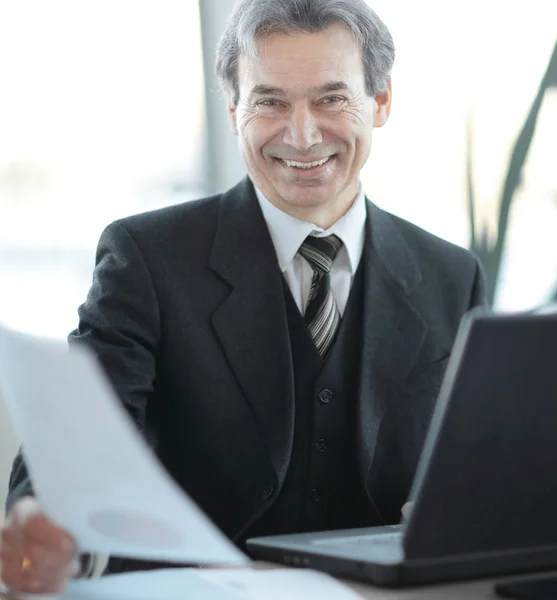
<point x="307" y="196"/>
<point x="306" y="200"/>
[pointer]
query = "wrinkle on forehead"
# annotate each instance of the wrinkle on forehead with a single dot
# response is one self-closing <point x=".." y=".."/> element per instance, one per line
<point x="308" y="73"/>
<point x="312" y="53"/>
<point x="333" y="51"/>
<point x="287" y="54"/>
<point x="306" y="67"/>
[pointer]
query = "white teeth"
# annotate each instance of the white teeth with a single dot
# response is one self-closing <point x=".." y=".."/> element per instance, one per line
<point x="306" y="165"/>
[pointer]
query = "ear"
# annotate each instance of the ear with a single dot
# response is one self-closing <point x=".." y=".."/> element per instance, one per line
<point x="383" y="101"/>
<point x="232" y="117"/>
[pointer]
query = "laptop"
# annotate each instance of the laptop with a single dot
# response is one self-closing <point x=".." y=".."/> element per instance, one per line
<point x="485" y="490"/>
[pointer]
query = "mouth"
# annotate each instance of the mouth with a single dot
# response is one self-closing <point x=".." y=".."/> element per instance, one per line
<point x="306" y="168"/>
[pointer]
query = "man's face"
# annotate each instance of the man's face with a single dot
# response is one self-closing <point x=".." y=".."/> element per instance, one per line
<point x="304" y="120"/>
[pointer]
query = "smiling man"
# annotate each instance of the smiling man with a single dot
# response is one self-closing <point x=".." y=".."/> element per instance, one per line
<point x="304" y="119"/>
<point x="280" y="345"/>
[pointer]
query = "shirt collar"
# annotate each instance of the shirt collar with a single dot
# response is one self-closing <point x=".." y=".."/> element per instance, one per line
<point x="288" y="232"/>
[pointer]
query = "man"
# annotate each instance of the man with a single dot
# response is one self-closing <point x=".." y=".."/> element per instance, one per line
<point x="280" y="345"/>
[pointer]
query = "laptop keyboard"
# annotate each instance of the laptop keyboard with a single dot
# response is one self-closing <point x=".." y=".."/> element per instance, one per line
<point x="358" y="540"/>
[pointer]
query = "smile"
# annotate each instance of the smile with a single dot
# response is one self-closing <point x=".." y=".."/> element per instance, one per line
<point x="306" y="165"/>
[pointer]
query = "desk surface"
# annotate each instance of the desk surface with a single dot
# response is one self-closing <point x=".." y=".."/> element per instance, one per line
<point x="467" y="590"/>
<point x="457" y="591"/>
<point x="464" y="590"/>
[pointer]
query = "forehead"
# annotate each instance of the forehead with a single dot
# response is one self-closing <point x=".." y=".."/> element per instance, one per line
<point x="306" y="59"/>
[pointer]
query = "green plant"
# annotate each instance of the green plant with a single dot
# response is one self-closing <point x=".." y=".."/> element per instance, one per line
<point x="491" y="254"/>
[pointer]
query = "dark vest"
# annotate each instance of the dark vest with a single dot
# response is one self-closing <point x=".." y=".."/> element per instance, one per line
<point x="322" y="489"/>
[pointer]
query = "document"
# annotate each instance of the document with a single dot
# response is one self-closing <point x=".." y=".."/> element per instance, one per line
<point x="92" y="471"/>
<point x="168" y="584"/>
<point x="279" y="584"/>
<point x="212" y="584"/>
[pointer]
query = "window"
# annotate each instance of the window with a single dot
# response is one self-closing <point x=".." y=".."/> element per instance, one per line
<point x="474" y="67"/>
<point x="101" y="116"/>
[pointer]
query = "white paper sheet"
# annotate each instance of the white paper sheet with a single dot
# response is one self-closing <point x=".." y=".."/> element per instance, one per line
<point x="92" y="471"/>
<point x="279" y="584"/>
<point x="213" y="584"/>
<point x="171" y="584"/>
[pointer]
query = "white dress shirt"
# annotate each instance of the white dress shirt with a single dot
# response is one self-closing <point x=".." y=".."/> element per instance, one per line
<point x="288" y="233"/>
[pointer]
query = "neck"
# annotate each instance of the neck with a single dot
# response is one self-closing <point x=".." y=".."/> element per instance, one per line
<point x="322" y="216"/>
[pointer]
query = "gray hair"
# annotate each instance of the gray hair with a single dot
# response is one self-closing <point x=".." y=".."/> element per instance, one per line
<point x="252" y="20"/>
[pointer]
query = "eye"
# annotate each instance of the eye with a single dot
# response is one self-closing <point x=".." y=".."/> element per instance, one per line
<point x="269" y="102"/>
<point x="332" y="99"/>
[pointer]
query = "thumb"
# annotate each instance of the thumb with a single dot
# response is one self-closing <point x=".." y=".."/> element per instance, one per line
<point x="407" y="509"/>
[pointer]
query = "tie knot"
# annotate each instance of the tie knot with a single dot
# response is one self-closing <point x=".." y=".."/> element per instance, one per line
<point x="320" y="251"/>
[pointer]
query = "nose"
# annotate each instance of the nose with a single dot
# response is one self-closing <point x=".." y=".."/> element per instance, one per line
<point x="302" y="130"/>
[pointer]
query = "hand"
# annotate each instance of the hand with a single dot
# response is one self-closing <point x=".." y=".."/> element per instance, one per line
<point x="405" y="510"/>
<point x="36" y="556"/>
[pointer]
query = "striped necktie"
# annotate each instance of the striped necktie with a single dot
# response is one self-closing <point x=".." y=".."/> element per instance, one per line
<point x="322" y="316"/>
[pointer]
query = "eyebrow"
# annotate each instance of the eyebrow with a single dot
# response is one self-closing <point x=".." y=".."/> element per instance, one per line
<point x="269" y="90"/>
<point x="332" y="86"/>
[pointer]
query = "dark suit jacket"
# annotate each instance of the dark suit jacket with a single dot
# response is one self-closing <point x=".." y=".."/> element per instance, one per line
<point x="186" y="313"/>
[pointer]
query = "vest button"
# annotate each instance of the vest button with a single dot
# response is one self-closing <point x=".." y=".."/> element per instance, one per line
<point x="325" y="396"/>
<point x="268" y="492"/>
<point x="321" y="445"/>
<point x="315" y="496"/>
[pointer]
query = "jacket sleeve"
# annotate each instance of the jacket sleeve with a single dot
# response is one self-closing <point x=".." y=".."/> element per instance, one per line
<point x="120" y="319"/>
<point x="478" y="294"/>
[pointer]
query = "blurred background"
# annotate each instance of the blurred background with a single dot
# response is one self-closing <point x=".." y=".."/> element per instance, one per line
<point x="111" y="108"/>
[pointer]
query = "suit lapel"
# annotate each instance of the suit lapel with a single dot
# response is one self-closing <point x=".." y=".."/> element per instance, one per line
<point x="393" y="329"/>
<point x="251" y="323"/>
<point x="252" y="328"/>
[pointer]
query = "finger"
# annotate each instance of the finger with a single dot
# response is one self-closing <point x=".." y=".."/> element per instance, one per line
<point x="34" y="587"/>
<point x="22" y="510"/>
<point x="12" y="569"/>
<point x="39" y="529"/>
<point x="49" y="568"/>
<point x="26" y="516"/>
<point x="10" y="542"/>
<point x="406" y="509"/>
<point x="8" y="552"/>
<point x="45" y="558"/>
<point x="33" y="580"/>
<point x="42" y="556"/>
